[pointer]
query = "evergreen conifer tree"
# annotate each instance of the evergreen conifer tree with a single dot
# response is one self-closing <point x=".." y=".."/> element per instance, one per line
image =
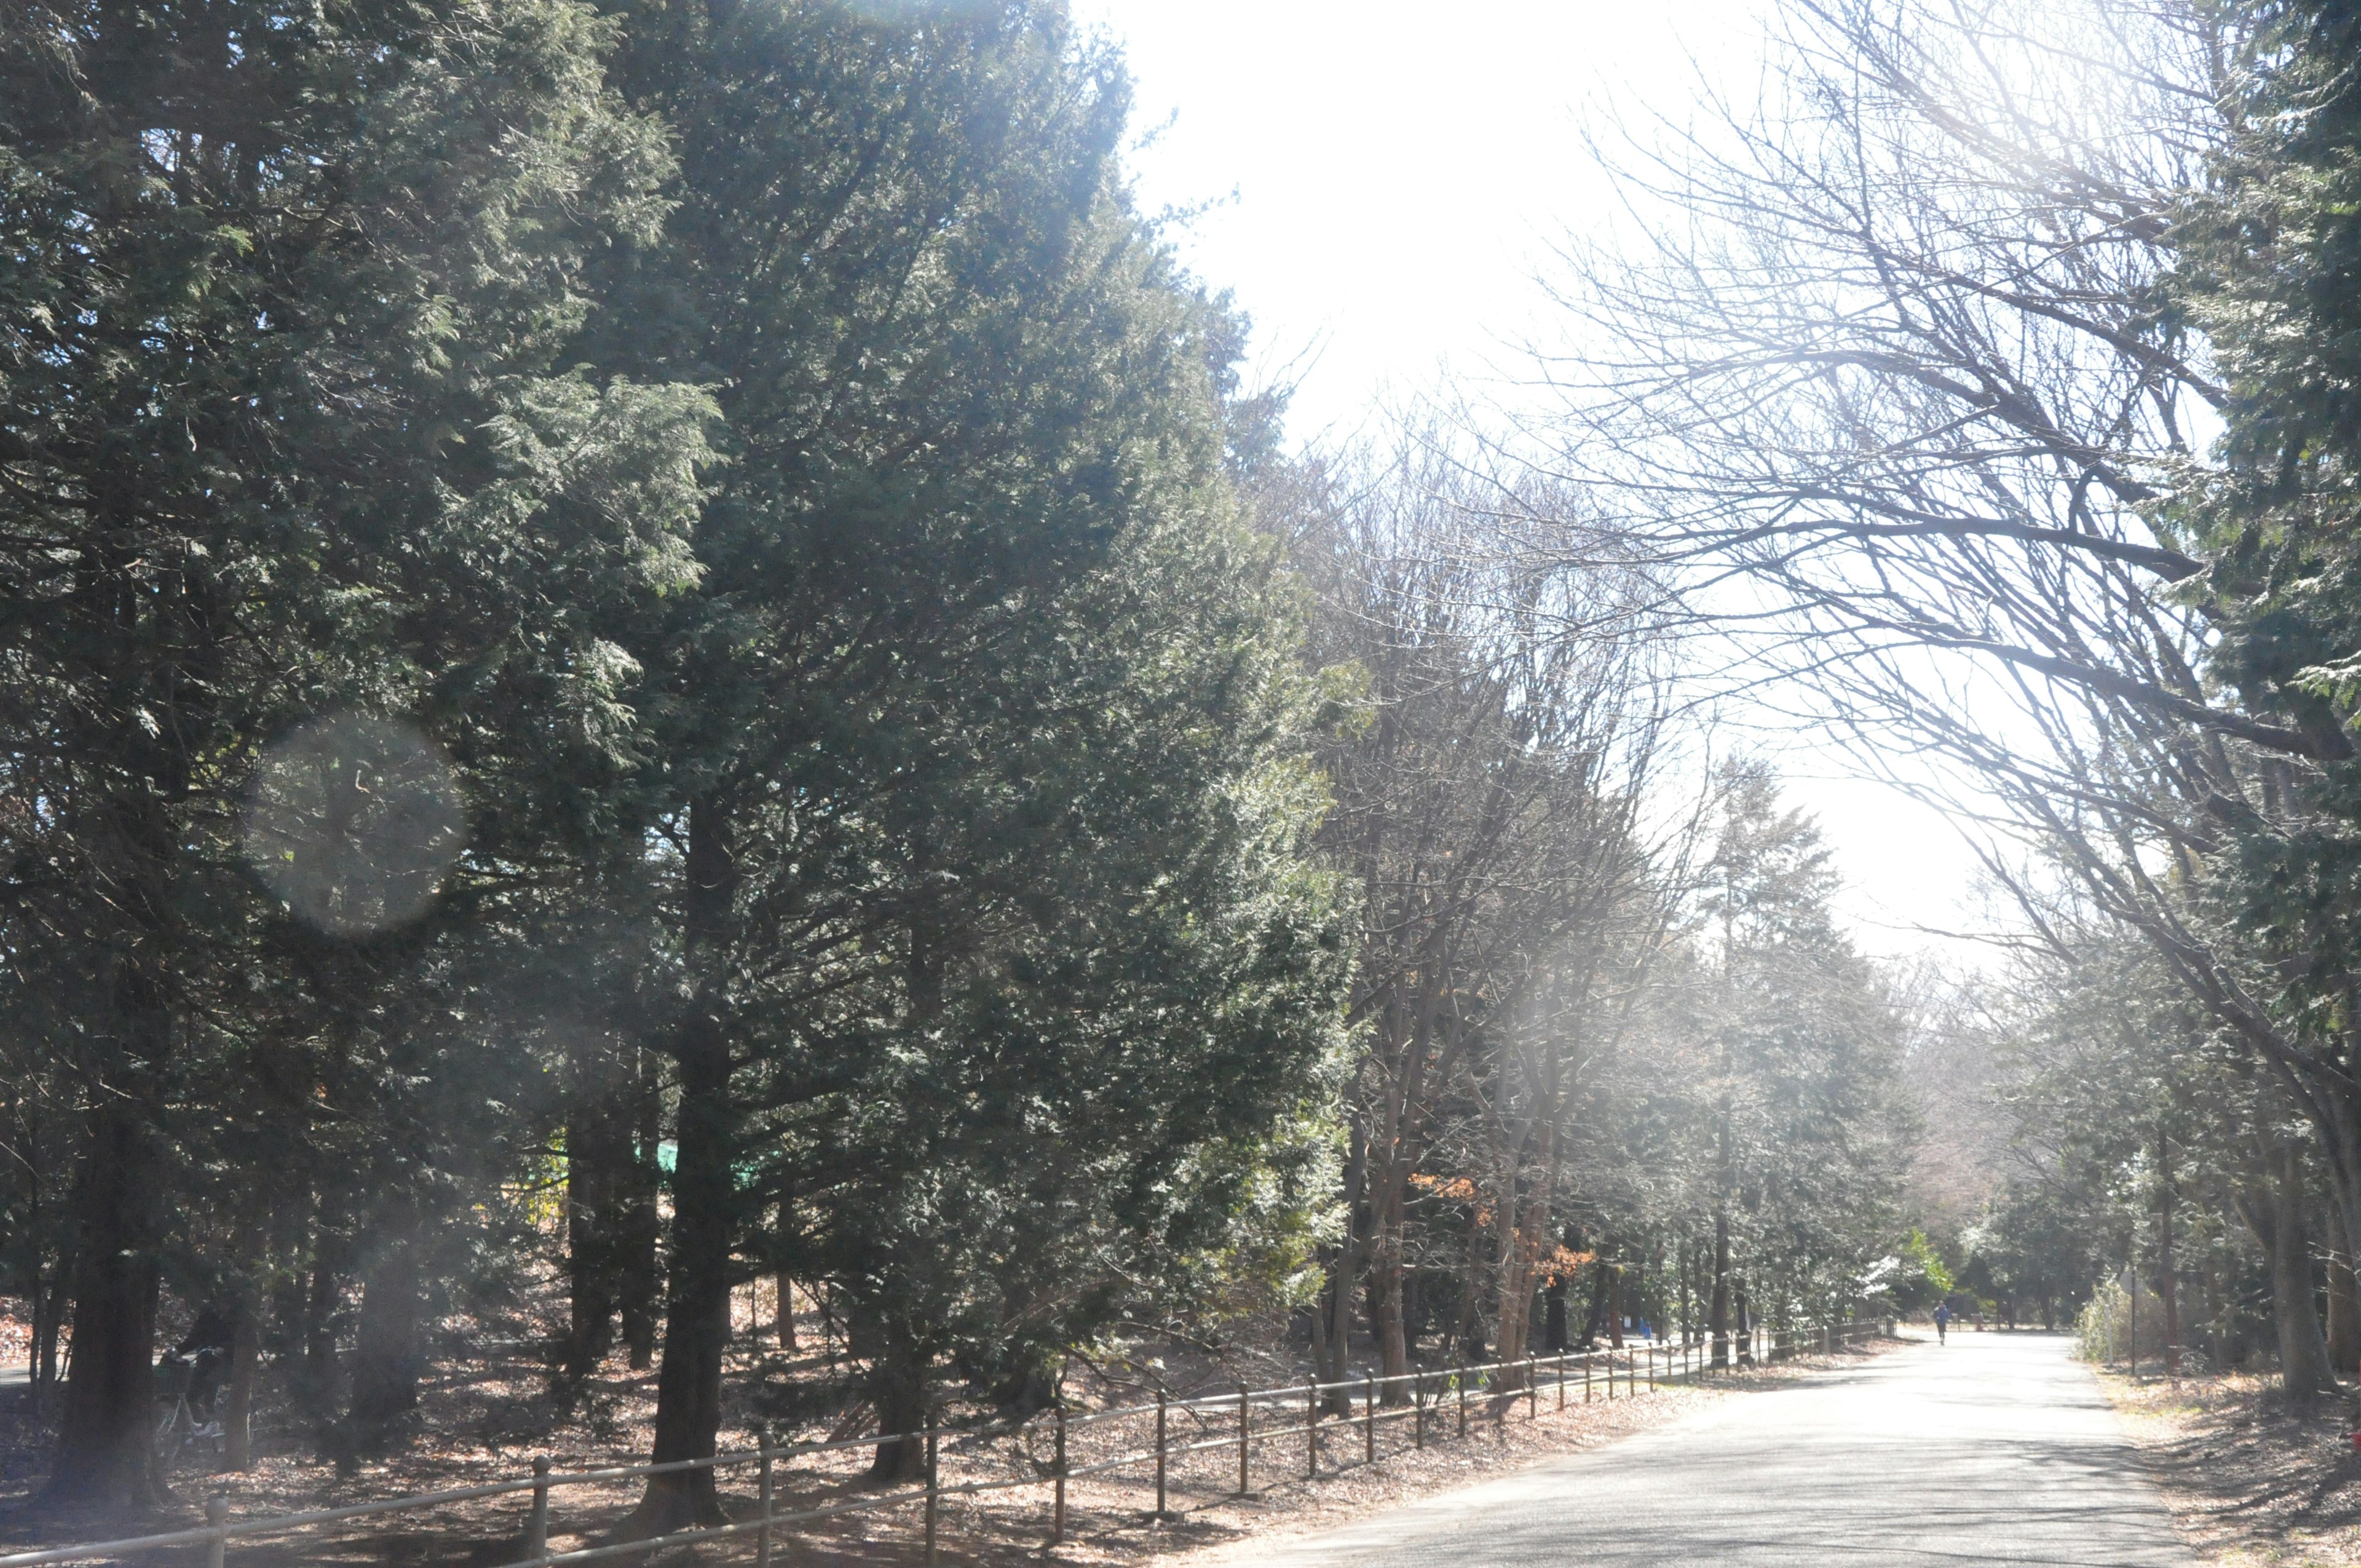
<point x="289" y="432"/>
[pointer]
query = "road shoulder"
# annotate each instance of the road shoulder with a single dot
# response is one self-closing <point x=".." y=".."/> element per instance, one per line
<point x="2248" y="1481"/>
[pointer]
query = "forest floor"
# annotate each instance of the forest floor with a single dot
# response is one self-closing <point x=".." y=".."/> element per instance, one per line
<point x="485" y="1416"/>
<point x="2249" y="1481"/>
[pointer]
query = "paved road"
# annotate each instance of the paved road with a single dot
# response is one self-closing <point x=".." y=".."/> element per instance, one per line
<point x="1996" y="1449"/>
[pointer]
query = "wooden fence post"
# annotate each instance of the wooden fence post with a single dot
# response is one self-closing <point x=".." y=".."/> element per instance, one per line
<point x="1461" y="1377"/>
<point x="1368" y="1418"/>
<point x="1561" y="1380"/>
<point x="1245" y="1445"/>
<point x="763" y="1490"/>
<point x="1533" y="1388"/>
<point x="1058" y="1505"/>
<point x="1161" y="1399"/>
<point x="1418" y="1409"/>
<point x="1589" y="1357"/>
<point x="1311" y="1431"/>
<point x="217" y="1520"/>
<point x="536" y="1523"/>
<point x="933" y="1490"/>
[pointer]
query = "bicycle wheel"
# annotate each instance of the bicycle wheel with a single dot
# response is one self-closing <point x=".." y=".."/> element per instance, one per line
<point x="172" y="1432"/>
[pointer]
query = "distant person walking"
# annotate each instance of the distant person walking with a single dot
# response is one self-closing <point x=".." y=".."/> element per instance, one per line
<point x="1942" y="1320"/>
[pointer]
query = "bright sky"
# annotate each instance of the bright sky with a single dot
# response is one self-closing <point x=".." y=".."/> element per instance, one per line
<point x="1390" y="180"/>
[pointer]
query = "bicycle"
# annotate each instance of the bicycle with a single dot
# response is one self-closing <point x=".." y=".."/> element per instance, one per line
<point x="180" y="1430"/>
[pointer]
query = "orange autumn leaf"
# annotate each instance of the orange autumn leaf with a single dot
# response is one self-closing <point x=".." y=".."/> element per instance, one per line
<point x="1560" y="1265"/>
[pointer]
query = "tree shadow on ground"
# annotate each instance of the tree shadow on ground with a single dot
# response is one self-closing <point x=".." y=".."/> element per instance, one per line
<point x="2247" y="1467"/>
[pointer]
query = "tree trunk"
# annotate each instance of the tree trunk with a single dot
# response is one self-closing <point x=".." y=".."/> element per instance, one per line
<point x="1684" y="1256"/>
<point x="316" y="1387"/>
<point x="2303" y="1350"/>
<point x="106" y="1458"/>
<point x="1390" y="1157"/>
<point x="1529" y="1227"/>
<point x="246" y="1363"/>
<point x="1332" y="1347"/>
<point x="1601" y="1289"/>
<point x="2274" y="1213"/>
<point x="36" y="1348"/>
<point x="51" y="1319"/>
<point x="1615" y="1305"/>
<point x="898" y="1389"/>
<point x="1470" y="1333"/>
<point x="1388" y="1308"/>
<point x="1742" y="1324"/>
<point x="599" y="1158"/>
<point x="1320" y="1335"/>
<point x="43" y="1286"/>
<point x="2335" y="1117"/>
<point x="697" y="1305"/>
<point x="2343" y="1315"/>
<point x="1339" y="1400"/>
<point x="1718" y="1309"/>
<point x="639" y="1274"/>
<point x="388" y="1358"/>
<point x="1511" y="1311"/>
<point x="1514" y="1321"/>
<point x="2166" y="1267"/>
<point x="1553" y="1316"/>
<point x="105" y="1455"/>
<point x="697" y="1308"/>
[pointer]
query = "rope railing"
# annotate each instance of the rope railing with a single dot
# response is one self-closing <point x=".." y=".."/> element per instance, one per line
<point x="1502" y="1383"/>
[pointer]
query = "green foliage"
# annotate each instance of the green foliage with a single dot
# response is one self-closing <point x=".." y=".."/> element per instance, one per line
<point x="2269" y="266"/>
<point x="1912" y="1280"/>
<point x="983" y="706"/>
<point x="600" y="596"/>
<point x="293" y="428"/>
<point x="1809" y="1040"/>
<point x="2037" y="1249"/>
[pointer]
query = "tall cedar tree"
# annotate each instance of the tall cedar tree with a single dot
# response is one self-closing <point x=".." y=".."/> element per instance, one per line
<point x="1807" y="1136"/>
<point x="286" y="430"/>
<point x="980" y="833"/>
<point x="2269" y="266"/>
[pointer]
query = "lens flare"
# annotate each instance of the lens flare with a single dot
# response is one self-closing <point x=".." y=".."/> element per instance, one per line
<point x="354" y="822"/>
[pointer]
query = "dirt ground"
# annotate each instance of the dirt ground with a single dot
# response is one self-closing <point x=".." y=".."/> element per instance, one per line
<point x="2249" y="1481"/>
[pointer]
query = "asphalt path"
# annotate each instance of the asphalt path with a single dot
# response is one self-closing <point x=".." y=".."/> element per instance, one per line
<point x="1994" y="1449"/>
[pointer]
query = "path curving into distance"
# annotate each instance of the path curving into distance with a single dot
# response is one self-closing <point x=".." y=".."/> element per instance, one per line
<point x="1996" y="1449"/>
